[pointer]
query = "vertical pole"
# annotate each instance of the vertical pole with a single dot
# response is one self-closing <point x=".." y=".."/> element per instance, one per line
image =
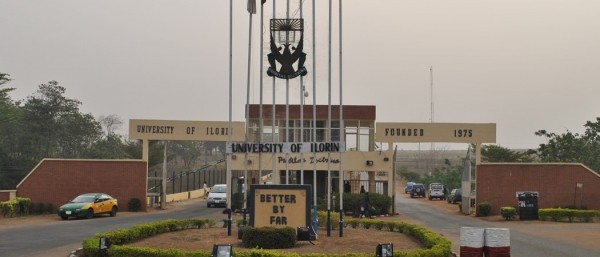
<point x="329" y="126"/>
<point x="287" y="106"/>
<point x="260" y="115"/>
<point x="228" y="172"/>
<point x="342" y="132"/>
<point x="275" y="174"/>
<point x="314" y="119"/>
<point x="163" y="189"/>
<point x="247" y="113"/>
<point x="302" y="90"/>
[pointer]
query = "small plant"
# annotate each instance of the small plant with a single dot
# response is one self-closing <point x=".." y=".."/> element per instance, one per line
<point x="484" y="208"/>
<point x="49" y="208"/>
<point x="508" y="212"/>
<point x="39" y="208"/>
<point x="269" y="237"/>
<point x="134" y="205"/>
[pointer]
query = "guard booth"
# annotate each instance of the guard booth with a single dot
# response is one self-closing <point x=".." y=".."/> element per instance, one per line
<point x="528" y="205"/>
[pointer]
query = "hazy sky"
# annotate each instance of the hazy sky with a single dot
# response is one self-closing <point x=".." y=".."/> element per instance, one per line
<point x="522" y="64"/>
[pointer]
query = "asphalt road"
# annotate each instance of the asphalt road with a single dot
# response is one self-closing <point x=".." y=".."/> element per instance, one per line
<point x="56" y="237"/>
<point x="522" y="242"/>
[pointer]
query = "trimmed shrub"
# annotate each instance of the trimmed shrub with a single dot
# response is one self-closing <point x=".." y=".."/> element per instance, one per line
<point x="560" y="214"/>
<point x="508" y="212"/>
<point x="269" y="237"/>
<point x="335" y="217"/>
<point x="484" y="208"/>
<point x="134" y="205"/>
<point x="352" y="202"/>
<point x="48" y="208"/>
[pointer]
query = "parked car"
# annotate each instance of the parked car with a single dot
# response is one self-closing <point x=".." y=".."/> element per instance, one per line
<point x="408" y="187"/>
<point x="436" y="190"/>
<point x="217" y="196"/>
<point x="88" y="206"/>
<point x="454" y="196"/>
<point x="417" y="190"/>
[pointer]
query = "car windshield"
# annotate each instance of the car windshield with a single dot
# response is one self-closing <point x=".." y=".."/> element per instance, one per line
<point x="219" y="189"/>
<point x="437" y="186"/>
<point x="83" y="199"/>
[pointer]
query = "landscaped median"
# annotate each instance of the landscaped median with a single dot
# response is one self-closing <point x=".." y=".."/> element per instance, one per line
<point x="435" y="245"/>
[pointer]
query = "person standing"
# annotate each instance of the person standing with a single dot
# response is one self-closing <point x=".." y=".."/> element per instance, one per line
<point x="366" y="206"/>
<point x="205" y="190"/>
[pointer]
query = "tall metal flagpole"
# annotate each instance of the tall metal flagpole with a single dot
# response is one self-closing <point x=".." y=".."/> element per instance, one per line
<point x="432" y="120"/>
<point x="287" y="106"/>
<point x="342" y="133"/>
<point x="302" y="90"/>
<point x="314" y="119"/>
<point x="329" y="128"/>
<point x="275" y="174"/>
<point x="260" y="118"/>
<point x="228" y="176"/>
<point x="251" y="10"/>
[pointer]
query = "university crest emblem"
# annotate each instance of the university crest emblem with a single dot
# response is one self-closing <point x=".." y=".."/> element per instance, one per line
<point x="287" y="43"/>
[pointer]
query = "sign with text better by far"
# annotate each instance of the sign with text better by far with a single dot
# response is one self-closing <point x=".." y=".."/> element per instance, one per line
<point x="279" y="205"/>
<point x="185" y="130"/>
<point x="436" y="132"/>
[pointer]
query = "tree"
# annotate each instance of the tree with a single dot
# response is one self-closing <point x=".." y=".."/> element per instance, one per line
<point x="449" y="175"/>
<point x="188" y="151"/>
<point x="9" y="120"/>
<point x="55" y="126"/>
<point x="573" y="147"/>
<point x="409" y="175"/>
<point x="110" y="122"/>
<point x="496" y="153"/>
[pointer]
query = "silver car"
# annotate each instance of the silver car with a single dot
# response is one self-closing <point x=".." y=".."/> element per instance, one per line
<point x="217" y="196"/>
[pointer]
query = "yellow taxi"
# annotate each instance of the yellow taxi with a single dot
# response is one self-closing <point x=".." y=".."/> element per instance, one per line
<point x="89" y="205"/>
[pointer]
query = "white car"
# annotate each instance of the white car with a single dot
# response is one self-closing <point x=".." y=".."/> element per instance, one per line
<point x="436" y="190"/>
<point x="217" y="196"/>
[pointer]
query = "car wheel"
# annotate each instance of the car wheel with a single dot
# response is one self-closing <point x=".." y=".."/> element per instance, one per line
<point x="113" y="212"/>
<point x="208" y="205"/>
<point x="90" y="213"/>
<point x="64" y="217"/>
<point x="429" y="198"/>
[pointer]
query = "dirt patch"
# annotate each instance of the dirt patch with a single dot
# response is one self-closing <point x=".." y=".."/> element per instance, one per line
<point x="353" y="241"/>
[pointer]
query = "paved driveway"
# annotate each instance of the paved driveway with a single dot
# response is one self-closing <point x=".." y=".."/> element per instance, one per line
<point x="528" y="238"/>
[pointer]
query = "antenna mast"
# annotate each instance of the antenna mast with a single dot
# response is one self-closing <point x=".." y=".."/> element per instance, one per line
<point x="432" y="120"/>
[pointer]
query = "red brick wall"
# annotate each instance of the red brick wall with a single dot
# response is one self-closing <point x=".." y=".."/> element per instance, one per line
<point x="555" y="183"/>
<point x="4" y="195"/>
<point x="56" y="181"/>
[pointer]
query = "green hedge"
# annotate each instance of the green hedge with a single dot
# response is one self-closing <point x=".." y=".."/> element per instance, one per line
<point x="269" y="237"/>
<point x="335" y="219"/>
<point x="435" y="244"/>
<point x="571" y="215"/>
<point x="15" y="207"/>
<point x="352" y="202"/>
<point x="120" y="237"/>
<point x="484" y="208"/>
<point x="508" y="212"/>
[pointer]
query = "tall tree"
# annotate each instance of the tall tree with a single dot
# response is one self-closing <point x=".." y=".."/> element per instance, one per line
<point x="9" y="120"/>
<point x="110" y="122"/>
<point x="496" y="153"/>
<point x="54" y="125"/>
<point x="573" y="147"/>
